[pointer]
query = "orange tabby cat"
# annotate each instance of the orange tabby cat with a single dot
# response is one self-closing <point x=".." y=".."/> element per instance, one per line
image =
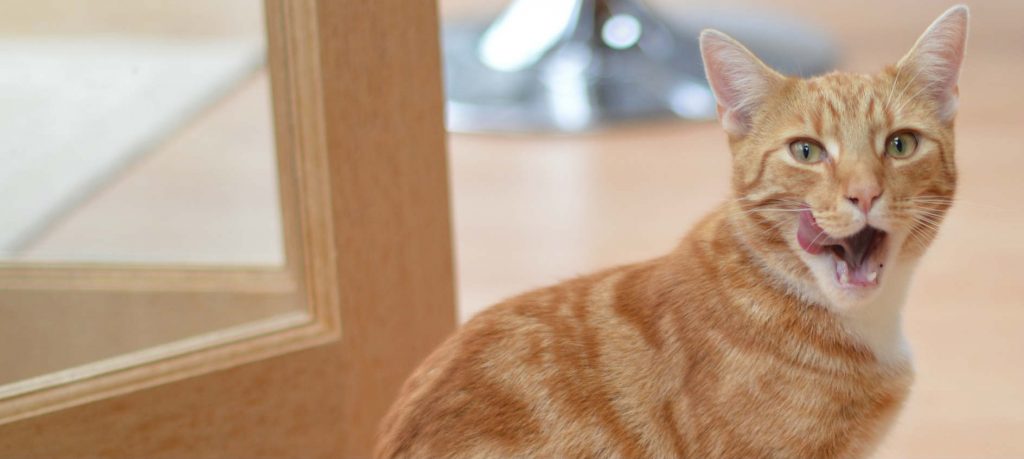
<point x="773" y="330"/>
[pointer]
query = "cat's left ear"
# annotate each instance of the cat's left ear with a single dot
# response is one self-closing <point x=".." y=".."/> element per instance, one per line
<point x="934" y="61"/>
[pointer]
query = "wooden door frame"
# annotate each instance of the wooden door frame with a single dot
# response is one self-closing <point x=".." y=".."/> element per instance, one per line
<point x="358" y="103"/>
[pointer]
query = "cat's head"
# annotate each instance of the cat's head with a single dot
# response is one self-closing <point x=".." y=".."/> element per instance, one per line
<point x="841" y="179"/>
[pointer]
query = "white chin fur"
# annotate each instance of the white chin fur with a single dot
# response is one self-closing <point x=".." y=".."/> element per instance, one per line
<point x="871" y="314"/>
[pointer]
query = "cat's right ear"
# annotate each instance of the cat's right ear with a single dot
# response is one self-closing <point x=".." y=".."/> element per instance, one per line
<point x="739" y="80"/>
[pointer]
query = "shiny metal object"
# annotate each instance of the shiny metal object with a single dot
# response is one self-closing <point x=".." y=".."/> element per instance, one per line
<point x="573" y="65"/>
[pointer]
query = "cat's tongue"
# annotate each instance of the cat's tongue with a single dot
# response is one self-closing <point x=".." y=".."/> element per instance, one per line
<point x="811" y="237"/>
<point x="857" y="263"/>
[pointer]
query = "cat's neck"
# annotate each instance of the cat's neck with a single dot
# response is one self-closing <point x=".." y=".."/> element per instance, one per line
<point x="878" y="323"/>
<point x="875" y="324"/>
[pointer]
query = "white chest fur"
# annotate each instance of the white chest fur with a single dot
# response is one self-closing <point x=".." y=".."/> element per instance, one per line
<point x="877" y="323"/>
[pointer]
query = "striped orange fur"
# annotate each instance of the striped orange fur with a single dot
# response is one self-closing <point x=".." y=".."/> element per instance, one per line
<point x="743" y="341"/>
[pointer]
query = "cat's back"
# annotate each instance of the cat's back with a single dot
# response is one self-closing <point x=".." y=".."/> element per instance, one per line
<point x="688" y="355"/>
<point x="534" y="367"/>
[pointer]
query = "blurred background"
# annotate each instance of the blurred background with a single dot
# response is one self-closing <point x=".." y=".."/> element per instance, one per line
<point x="180" y="170"/>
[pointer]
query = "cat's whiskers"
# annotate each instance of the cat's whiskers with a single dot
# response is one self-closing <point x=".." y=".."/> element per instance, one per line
<point x="930" y="212"/>
<point x="928" y="222"/>
<point x="777" y="226"/>
<point x="926" y="236"/>
<point x="941" y="200"/>
<point x="921" y="223"/>
<point x="815" y="240"/>
<point x="767" y="210"/>
<point x="918" y="237"/>
<point x="903" y="89"/>
<point x="779" y="211"/>
<point x="892" y="88"/>
<point x="911" y="98"/>
<point x="933" y="199"/>
<point x="909" y="220"/>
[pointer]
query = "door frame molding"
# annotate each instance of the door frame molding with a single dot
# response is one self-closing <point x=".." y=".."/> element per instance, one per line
<point x="305" y="193"/>
<point x="362" y="148"/>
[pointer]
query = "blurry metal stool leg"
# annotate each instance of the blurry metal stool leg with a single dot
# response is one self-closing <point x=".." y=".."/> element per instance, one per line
<point x="572" y="65"/>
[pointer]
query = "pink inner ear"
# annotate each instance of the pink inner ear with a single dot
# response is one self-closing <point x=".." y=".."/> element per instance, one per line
<point x="942" y="58"/>
<point x="737" y="78"/>
<point x="724" y="69"/>
<point x="730" y="120"/>
<point x="937" y="57"/>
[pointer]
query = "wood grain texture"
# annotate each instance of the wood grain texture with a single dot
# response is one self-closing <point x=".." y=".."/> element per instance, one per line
<point x="384" y="160"/>
<point x="50" y="335"/>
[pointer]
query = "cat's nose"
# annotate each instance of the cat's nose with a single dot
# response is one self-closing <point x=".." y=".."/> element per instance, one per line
<point x="864" y="195"/>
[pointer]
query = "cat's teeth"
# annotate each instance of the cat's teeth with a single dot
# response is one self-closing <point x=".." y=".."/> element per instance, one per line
<point x="844" y="272"/>
<point x="872" y="276"/>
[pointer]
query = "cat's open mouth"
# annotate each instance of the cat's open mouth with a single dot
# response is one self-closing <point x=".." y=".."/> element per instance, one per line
<point x="858" y="259"/>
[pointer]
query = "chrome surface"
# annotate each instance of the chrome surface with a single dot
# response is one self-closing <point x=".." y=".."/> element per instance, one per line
<point x="573" y="65"/>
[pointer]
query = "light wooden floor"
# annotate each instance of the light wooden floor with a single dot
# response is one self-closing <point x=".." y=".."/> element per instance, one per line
<point x="533" y="210"/>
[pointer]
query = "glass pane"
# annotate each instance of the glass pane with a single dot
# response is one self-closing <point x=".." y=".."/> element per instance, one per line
<point x="138" y="136"/>
<point x="136" y="132"/>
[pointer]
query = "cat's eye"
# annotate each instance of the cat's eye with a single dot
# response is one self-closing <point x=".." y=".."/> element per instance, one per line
<point x="807" y="151"/>
<point x="901" y="145"/>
